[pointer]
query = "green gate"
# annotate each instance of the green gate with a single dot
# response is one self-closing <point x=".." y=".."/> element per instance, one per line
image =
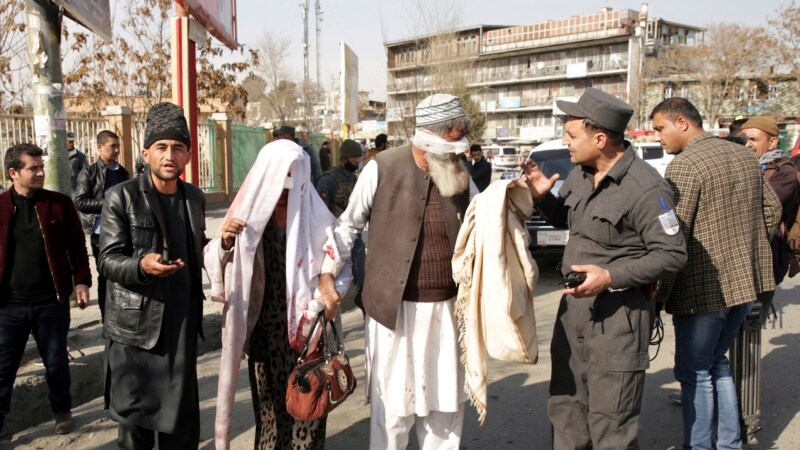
<point x="247" y="141"/>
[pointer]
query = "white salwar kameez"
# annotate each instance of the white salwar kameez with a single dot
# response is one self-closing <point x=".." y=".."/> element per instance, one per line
<point x="410" y="377"/>
<point x="414" y="375"/>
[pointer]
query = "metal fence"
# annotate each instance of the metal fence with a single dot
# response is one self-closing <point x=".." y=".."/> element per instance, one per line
<point x="247" y="141"/>
<point x="15" y="129"/>
<point x="206" y="150"/>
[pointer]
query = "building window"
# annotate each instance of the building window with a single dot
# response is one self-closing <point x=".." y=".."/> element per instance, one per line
<point x="773" y="92"/>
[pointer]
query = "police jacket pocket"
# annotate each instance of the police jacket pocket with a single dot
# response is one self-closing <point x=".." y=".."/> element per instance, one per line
<point x="620" y="383"/>
<point x="606" y="225"/>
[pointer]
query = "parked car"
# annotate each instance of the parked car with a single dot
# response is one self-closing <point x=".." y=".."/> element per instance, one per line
<point x="653" y="153"/>
<point x="552" y="157"/>
<point x="502" y="157"/>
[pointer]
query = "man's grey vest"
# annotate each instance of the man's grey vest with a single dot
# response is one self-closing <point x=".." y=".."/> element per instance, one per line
<point x="395" y="225"/>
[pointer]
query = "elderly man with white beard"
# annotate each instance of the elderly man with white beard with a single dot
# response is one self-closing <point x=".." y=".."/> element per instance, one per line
<point x="414" y="198"/>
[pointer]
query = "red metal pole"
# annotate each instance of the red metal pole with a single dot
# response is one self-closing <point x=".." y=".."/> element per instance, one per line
<point x="185" y="88"/>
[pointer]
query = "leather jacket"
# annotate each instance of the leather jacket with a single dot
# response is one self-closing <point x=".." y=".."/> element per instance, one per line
<point x="88" y="195"/>
<point x="133" y="226"/>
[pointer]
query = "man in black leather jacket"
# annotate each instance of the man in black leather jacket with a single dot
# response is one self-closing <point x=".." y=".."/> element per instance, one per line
<point x="151" y="244"/>
<point x="93" y="182"/>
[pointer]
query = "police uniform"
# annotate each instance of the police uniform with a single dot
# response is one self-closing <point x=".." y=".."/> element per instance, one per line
<point x="626" y="225"/>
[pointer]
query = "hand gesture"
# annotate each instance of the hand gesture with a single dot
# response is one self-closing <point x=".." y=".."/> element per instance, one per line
<point x="597" y="281"/>
<point x="230" y="229"/>
<point x="534" y="178"/>
<point x="153" y="264"/>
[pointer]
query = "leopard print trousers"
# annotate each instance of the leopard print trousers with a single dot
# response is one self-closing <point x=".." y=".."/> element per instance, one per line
<point x="271" y="360"/>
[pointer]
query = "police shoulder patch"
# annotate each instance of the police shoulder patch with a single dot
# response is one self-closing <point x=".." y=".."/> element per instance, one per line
<point x="669" y="222"/>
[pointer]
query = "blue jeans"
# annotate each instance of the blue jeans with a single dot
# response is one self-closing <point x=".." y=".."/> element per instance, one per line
<point x="708" y="394"/>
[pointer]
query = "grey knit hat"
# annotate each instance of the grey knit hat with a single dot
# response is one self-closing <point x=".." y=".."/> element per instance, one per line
<point x="438" y="108"/>
<point x="349" y="149"/>
<point x="166" y="121"/>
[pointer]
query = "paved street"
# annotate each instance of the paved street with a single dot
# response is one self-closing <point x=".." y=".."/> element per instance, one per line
<point x="518" y="393"/>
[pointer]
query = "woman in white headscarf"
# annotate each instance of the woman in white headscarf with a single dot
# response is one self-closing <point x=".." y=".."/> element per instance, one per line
<point x="264" y="264"/>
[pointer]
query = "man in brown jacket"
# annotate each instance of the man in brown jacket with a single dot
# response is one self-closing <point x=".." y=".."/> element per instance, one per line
<point x="761" y="134"/>
<point x="728" y="213"/>
<point x="414" y="198"/>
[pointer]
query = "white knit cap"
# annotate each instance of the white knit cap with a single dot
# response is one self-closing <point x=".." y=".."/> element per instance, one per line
<point x="438" y="108"/>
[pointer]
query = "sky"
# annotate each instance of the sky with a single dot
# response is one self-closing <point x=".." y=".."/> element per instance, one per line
<point x="366" y="24"/>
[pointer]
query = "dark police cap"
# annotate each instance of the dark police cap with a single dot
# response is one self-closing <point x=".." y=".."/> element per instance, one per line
<point x="602" y="108"/>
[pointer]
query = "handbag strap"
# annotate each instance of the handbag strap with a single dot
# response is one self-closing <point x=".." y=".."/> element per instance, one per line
<point x="326" y="352"/>
<point x="320" y="319"/>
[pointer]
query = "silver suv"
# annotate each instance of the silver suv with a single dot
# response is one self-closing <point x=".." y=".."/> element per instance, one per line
<point x="552" y="157"/>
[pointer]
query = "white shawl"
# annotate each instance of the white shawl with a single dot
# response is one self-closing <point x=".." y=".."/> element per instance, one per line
<point x="309" y="224"/>
<point x="497" y="276"/>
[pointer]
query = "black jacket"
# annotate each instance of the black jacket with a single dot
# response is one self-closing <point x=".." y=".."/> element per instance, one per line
<point x="133" y="226"/>
<point x="481" y="173"/>
<point x="88" y="195"/>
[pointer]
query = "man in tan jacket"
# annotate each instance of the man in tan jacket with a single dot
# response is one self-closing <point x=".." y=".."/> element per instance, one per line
<point x="728" y="213"/>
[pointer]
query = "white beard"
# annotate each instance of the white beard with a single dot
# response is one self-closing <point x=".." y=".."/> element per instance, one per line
<point x="450" y="177"/>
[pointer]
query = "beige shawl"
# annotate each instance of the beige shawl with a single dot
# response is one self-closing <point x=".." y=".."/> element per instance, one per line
<point x="492" y="258"/>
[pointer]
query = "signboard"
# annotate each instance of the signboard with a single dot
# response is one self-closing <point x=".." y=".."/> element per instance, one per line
<point x="576" y="70"/>
<point x="348" y="85"/>
<point x="510" y="102"/>
<point x="217" y="16"/>
<point x="93" y="14"/>
<point x="394" y="114"/>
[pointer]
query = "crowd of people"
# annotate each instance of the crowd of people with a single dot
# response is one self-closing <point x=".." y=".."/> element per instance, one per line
<point x="292" y="236"/>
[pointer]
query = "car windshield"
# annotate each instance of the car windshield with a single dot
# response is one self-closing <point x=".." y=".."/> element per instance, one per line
<point x="553" y="162"/>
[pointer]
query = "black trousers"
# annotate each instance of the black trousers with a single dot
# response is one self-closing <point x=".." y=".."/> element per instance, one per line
<point x="138" y="438"/>
<point x="49" y="323"/>
<point x="599" y="357"/>
<point x="101" y="280"/>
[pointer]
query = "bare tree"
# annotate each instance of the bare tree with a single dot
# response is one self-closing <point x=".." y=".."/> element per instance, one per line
<point x="723" y="71"/>
<point x="786" y="29"/>
<point x="281" y="94"/>
<point x="441" y="66"/>
<point x="136" y="67"/>
<point x="14" y="88"/>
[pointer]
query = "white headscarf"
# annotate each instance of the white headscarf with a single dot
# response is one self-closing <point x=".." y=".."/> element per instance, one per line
<point x="309" y="223"/>
<point x="433" y="143"/>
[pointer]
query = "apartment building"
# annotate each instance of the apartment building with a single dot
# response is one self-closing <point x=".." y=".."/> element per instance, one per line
<point x="516" y="73"/>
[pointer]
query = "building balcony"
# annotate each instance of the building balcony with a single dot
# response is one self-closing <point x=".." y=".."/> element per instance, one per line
<point x="506" y="78"/>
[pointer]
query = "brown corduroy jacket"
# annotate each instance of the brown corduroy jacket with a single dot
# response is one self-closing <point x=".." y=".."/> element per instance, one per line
<point x="728" y="214"/>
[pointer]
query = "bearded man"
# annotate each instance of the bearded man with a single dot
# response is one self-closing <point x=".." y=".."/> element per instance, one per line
<point x="414" y="198"/>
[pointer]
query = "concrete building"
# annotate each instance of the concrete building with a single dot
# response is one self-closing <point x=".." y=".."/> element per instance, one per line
<point x="514" y="74"/>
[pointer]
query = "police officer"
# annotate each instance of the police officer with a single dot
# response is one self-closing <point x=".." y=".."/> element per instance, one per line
<point x="335" y="187"/>
<point x="623" y="236"/>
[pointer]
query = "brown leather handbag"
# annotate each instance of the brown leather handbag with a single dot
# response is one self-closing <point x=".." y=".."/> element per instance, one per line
<point x="320" y="384"/>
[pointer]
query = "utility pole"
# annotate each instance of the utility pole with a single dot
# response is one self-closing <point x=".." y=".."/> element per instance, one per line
<point x="318" y="17"/>
<point x="50" y="118"/>
<point x="304" y="9"/>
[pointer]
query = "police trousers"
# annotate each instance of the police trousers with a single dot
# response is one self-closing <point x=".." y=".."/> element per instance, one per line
<point x="599" y="357"/>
